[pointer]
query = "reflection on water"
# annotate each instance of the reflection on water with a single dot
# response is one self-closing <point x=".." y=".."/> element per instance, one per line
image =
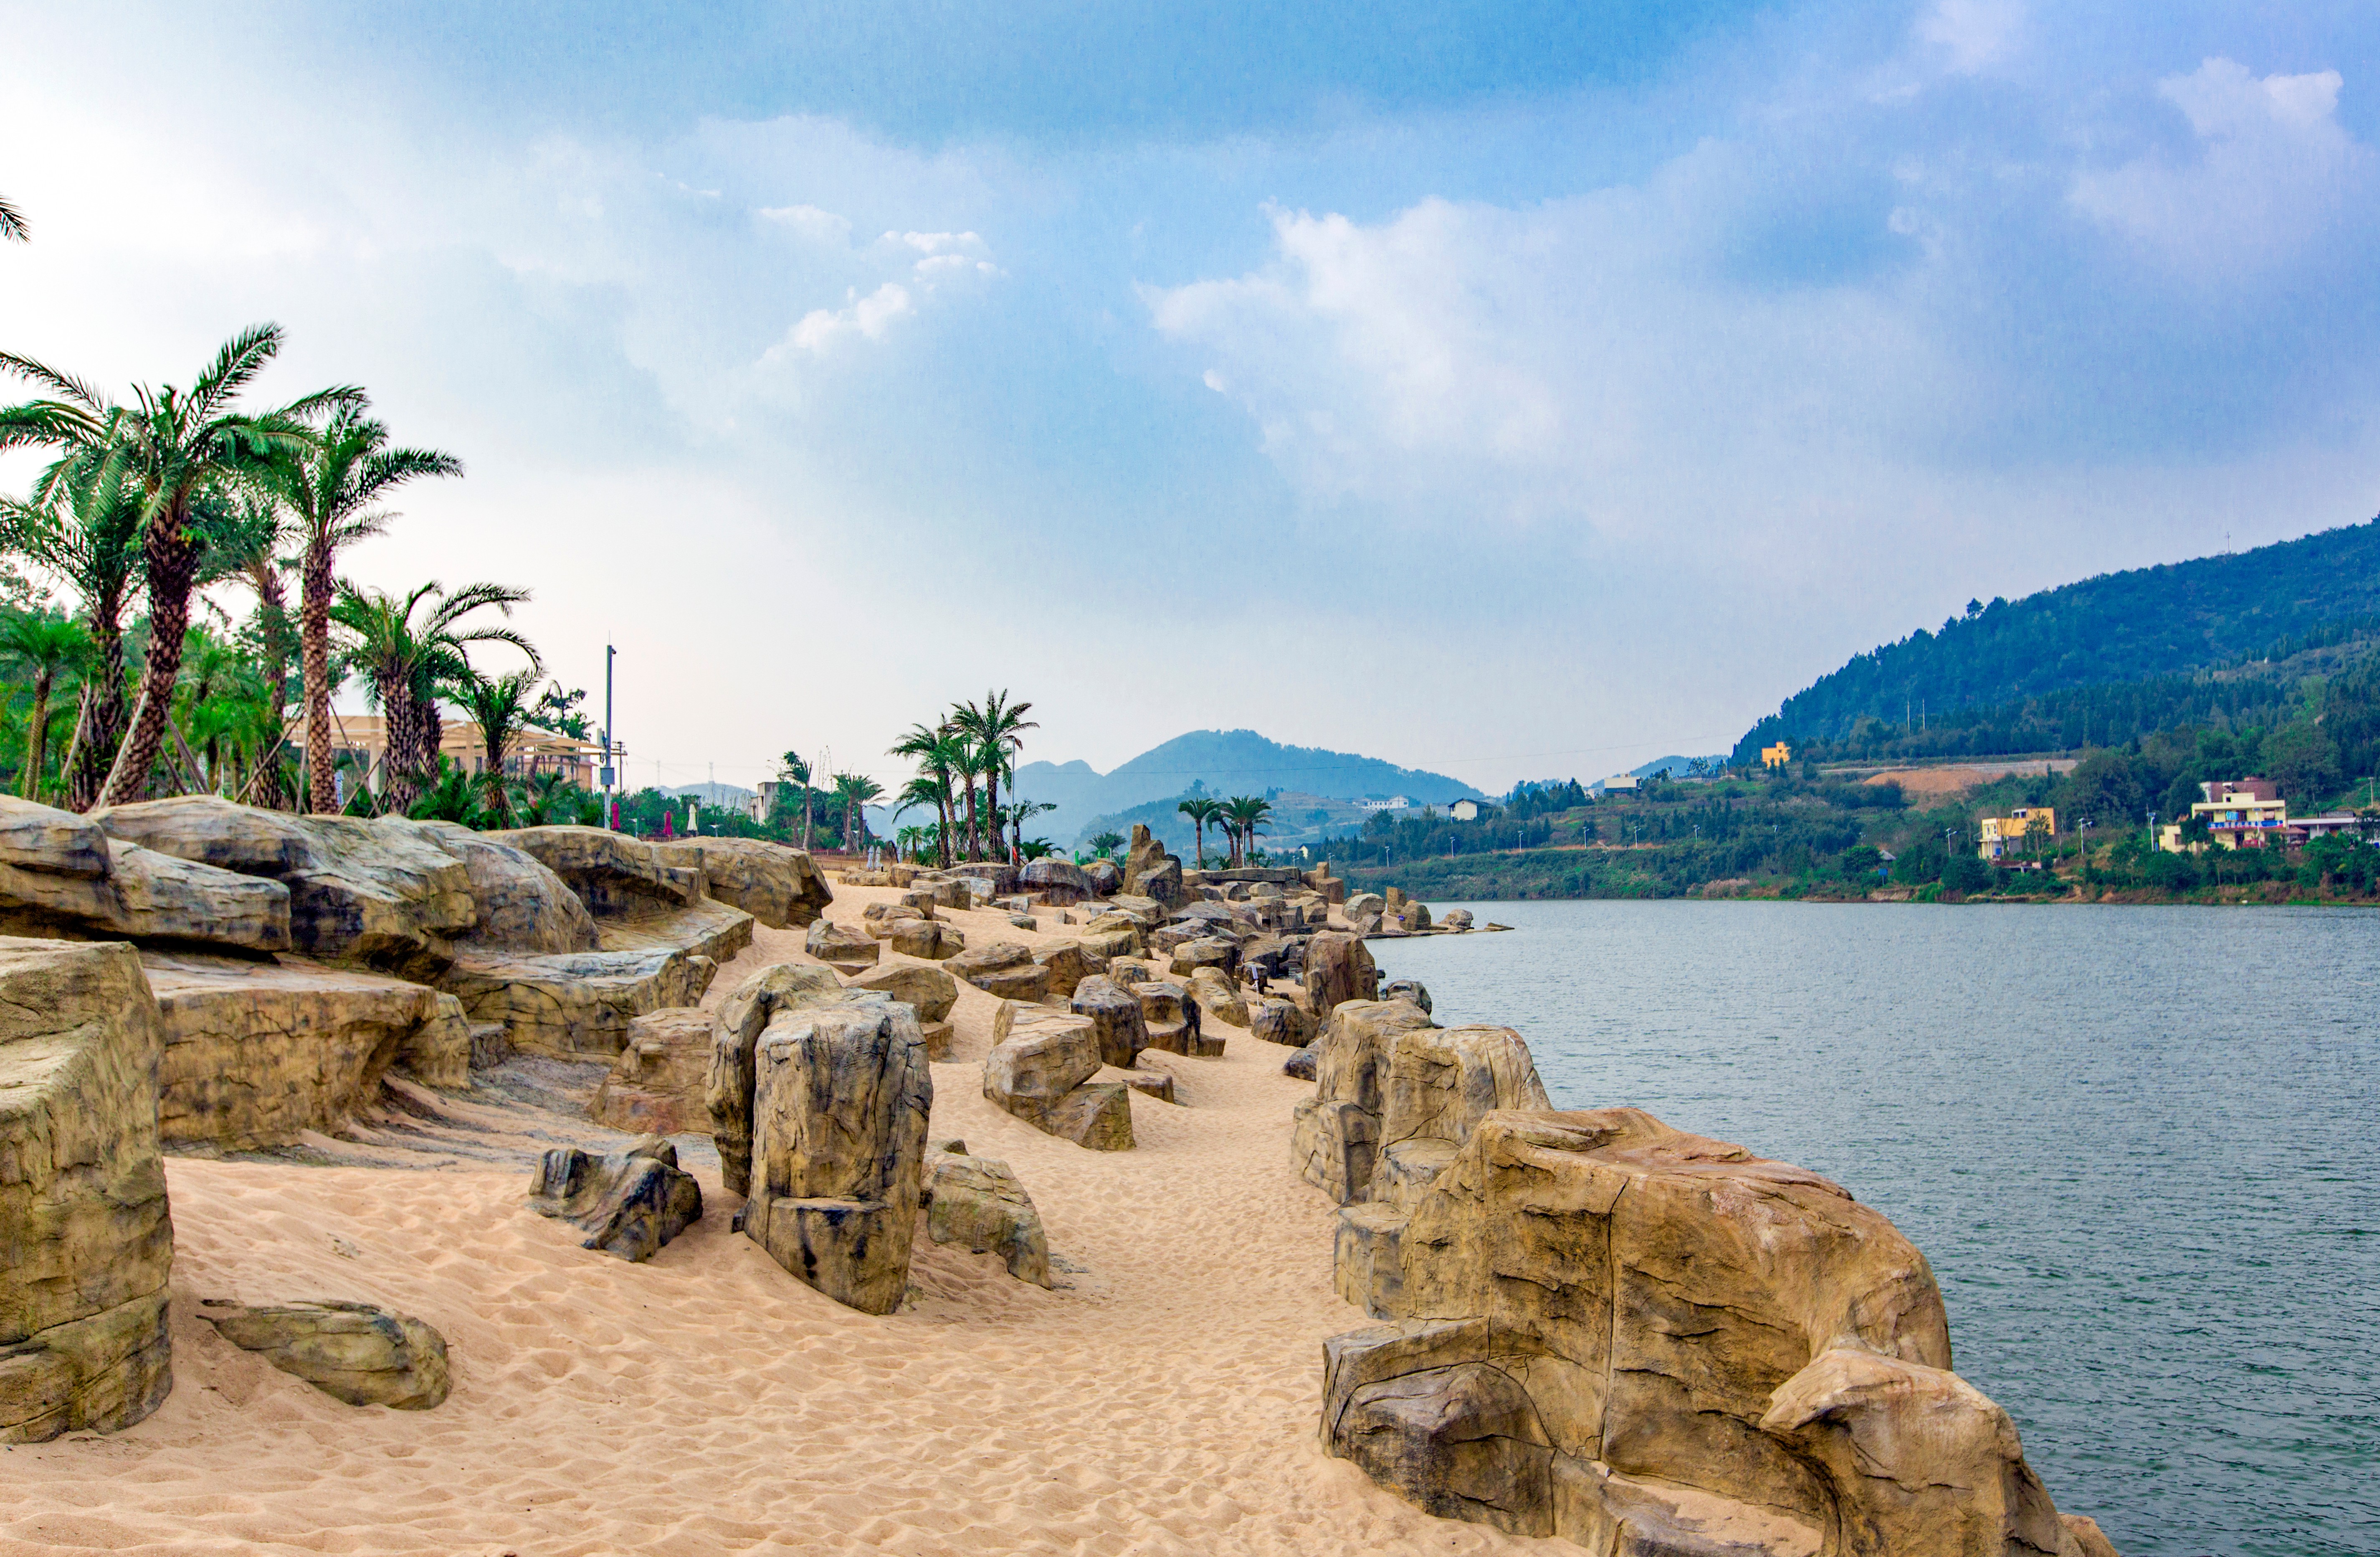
<point x="2137" y="1145"/>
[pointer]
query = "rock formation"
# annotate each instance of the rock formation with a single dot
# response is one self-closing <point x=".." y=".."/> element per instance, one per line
<point x="356" y="1352"/>
<point x="628" y="1203"/>
<point x="743" y="1017"/>
<point x="1148" y="870"/>
<point x="62" y="875"/>
<point x="1337" y="968"/>
<point x="575" y="1003"/>
<point x="839" y="1098"/>
<point x="840" y="946"/>
<point x="930" y="939"/>
<point x="1218" y="997"/>
<point x="1002" y="969"/>
<point x="775" y="883"/>
<point x="1059" y="882"/>
<point x="1411" y="990"/>
<point x="1040" y="1069"/>
<point x="1644" y="1341"/>
<point x="1116" y="1021"/>
<point x="86" y="1245"/>
<point x="1172" y="1019"/>
<point x="931" y="992"/>
<point x="979" y="1204"/>
<point x="1068" y="963"/>
<point x="656" y="1087"/>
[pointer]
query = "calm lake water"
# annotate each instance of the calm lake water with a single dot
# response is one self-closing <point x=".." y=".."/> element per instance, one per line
<point x="2136" y="1144"/>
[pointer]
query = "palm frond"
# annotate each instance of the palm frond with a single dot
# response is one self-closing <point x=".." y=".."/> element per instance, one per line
<point x="13" y="226"/>
<point x="234" y="368"/>
<point x="73" y="388"/>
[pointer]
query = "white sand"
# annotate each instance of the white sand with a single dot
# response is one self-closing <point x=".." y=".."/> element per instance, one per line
<point x="1164" y="1400"/>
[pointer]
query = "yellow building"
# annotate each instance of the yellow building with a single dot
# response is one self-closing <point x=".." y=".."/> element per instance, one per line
<point x="2005" y="835"/>
<point x="1775" y="756"/>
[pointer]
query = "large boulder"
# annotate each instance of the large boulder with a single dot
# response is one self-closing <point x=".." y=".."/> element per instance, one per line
<point x="1614" y="1333"/>
<point x="930" y="939"/>
<point x="1116" y="1021"/>
<point x="1208" y="950"/>
<point x="1172" y="1019"/>
<point x="62" y="875"/>
<point x="657" y="1085"/>
<point x="1040" y="1069"/>
<point x="1337" y="968"/>
<point x="1218" y="997"/>
<point x="611" y="873"/>
<point x="841" y="946"/>
<point x="1068" y="963"/>
<point x="574" y="1003"/>
<point x="840" y="1100"/>
<point x="256" y="1054"/>
<point x="1003" y="969"/>
<point x="382" y="892"/>
<point x="743" y="1017"/>
<point x="932" y="991"/>
<point x="1336" y="1134"/>
<point x="524" y="907"/>
<point x="356" y="1352"/>
<point x="979" y="1204"/>
<point x="628" y="1203"/>
<point x="776" y="883"/>
<point x="1148" y="870"/>
<point x="1105" y="879"/>
<point x="1060" y="882"/>
<point x="86" y="1245"/>
<point x="999" y="875"/>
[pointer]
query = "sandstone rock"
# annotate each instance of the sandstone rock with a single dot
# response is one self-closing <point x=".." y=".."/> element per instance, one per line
<point x="1280" y="1021"/>
<point x="356" y="1352"/>
<point x="1211" y="950"/>
<point x="1361" y="903"/>
<point x="867" y="879"/>
<point x="656" y="1086"/>
<point x="735" y="1035"/>
<point x="1146" y="912"/>
<point x="574" y="1003"/>
<point x="1129" y="974"/>
<point x="382" y="892"/>
<point x="1040" y="1070"/>
<point x="930" y="939"/>
<point x="1218" y="997"/>
<point x="979" y="1203"/>
<point x="840" y="1101"/>
<point x="611" y="873"/>
<point x="1003" y="969"/>
<point x="1336" y="1134"/>
<point x="941" y="1040"/>
<point x="1105" y="879"/>
<point x="1337" y="968"/>
<point x="1266" y="958"/>
<point x="1172" y="1018"/>
<point x="524" y="908"/>
<point x="255" y="1054"/>
<point x="945" y="891"/>
<point x="1116" y="1020"/>
<point x="1410" y="991"/>
<point x="703" y="928"/>
<point x="841" y="946"/>
<point x="1705" y="1342"/>
<point x="878" y="919"/>
<point x="1059" y="882"/>
<point x="901" y="874"/>
<point x="999" y="875"/>
<point x="86" y="1245"/>
<point x="629" y="1203"/>
<point x="1068" y="963"/>
<point x="776" y="883"/>
<point x="61" y="875"/>
<point x="1152" y="1084"/>
<point x="1148" y="870"/>
<point x="1110" y="943"/>
<point x="490" y="1047"/>
<point x="1455" y="918"/>
<point x="1300" y="1063"/>
<point x="931" y="992"/>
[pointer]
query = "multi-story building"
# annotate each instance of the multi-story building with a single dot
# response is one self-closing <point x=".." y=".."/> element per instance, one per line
<point x="363" y="738"/>
<point x="2005" y="835"/>
<point x="1775" y="756"/>
<point x="2246" y="813"/>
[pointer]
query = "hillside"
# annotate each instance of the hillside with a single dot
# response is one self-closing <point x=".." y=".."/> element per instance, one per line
<point x="1223" y="762"/>
<point x="2118" y="627"/>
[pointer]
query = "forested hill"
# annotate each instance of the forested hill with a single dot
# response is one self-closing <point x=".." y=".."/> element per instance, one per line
<point x="2118" y="627"/>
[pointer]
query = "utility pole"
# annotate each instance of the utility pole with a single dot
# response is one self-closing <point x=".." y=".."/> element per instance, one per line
<point x="607" y="775"/>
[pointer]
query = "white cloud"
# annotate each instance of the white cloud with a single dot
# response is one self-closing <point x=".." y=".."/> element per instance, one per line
<point x="816" y="226"/>
<point x="1974" y="34"/>
<point x="866" y="317"/>
<point x="2275" y="170"/>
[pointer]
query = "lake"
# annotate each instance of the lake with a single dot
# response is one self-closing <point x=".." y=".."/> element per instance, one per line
<point x="2136" y="1144"/>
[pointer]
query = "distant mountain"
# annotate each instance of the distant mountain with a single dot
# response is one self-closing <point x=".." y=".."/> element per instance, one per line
<point x="1222" y="762"/>
<point x="2118" y="627"/>
<point x="713" y="794"/>
<point x="1678" y="766"/>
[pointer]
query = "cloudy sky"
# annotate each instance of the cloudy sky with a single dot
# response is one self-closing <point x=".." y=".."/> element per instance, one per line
<point x="1473" y="385"/>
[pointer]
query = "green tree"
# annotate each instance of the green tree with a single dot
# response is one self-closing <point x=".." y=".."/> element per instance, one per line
<point x="996" y="728"/>
<point x="43" y="645"/>
<point x="498" y="705"/>
<point x="1106" y="843"/>
<point x="333" y="487"/>
<point x="1202" y="810"/>
<point x="1245" y="815"/>
<point x="853" y="792"/>
<point x="176" y="445"/>
<point x="407" y="660"/>
<point x="12" y="225"/>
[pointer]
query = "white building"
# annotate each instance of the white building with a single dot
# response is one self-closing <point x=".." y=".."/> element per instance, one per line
<point x="1397" y="804"/>
<point x="1463" y="810"/>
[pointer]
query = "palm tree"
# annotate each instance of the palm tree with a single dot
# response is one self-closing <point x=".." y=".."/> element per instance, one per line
<point x="12" y="225"/>
<point x="1201" y="810"/>
<point x="331" y="489"/>
<point x="1245" y="814"/>
<point x="44" y="644"/>
<point x="1106" y="843"/>
<point x="175" y="445"/>
<point x="940" y="756"/>
<point x="83" y="524"/>
<point x="406" y="663"/>
<point x="245" y="539"/>
<point x="547" y="798"/>
<point x="498" y="705"/>
<point x="996" y="728"/>
<point x="1022" y="812"/>
<point x="792" y="769"/>
<point x="854" y="791"/>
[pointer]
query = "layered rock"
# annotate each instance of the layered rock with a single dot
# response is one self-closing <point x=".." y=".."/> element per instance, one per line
<point x="930" y="939"/>
<point x="841" y="947"/>
<point x="736" y="1034"/>
<point x="1040" y="1069"/>
<point x="1059" y="882"/>
<point x="776" y="883"/>
<point x="1218" y="997"/>
<point x="1336" y="1135"/>
<point x="1117" y="1024"/>
<point x="577" y="1002"/>
<point x="86" y="1245"/>
<point x="62" y="875"/>
<point x="657" y="1085"/>
<point x="356" y="1352"/>
<point x="1148" y="870"/>
<point x="256" y="1054"/>
<point x="1640" y="1340"/>
<point x="614" y="874"/>
<point x="629" y="1203"/>
<point x="1337" y="968"/>
<point x="931" y="992"/>
<point x="524" y="908"/>
<point x="1068" y="963"/>
<point x="981" y="1205"/>
<point x="840" y="1100"/>
<point x="1002" y="969"/>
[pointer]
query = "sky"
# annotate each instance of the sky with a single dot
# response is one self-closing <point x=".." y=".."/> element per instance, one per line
<point x="1510" y="391"/>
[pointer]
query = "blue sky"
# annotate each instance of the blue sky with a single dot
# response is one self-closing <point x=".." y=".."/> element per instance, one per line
<point x="1512" y="391"/>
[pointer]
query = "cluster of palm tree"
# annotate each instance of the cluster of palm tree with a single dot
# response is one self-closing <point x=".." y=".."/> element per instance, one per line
<point x="151" y="501"/>
<point x="962" y="760"/>
<point x="1239" y="819"/>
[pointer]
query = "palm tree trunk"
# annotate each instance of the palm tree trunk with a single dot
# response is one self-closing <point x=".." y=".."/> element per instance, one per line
<point x="991" y="805"/>
<point x="171" y="555"/>
<point x="314" y="668"/>
<point x="37" y="740"/>
<point x="102" y="721"/>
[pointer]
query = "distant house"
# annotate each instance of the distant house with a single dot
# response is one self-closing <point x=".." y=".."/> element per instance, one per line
<point x="1395" y="803"/>
<point x="1463" y="810"/>
<point x="2248" y="813"/>
<point x="1619" y="781"/>
<point x="1775" y="756"/>
<point x="2005" y="835"/>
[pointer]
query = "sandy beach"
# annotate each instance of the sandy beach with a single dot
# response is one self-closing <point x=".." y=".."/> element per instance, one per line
<point x="1163" y="1399"/>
